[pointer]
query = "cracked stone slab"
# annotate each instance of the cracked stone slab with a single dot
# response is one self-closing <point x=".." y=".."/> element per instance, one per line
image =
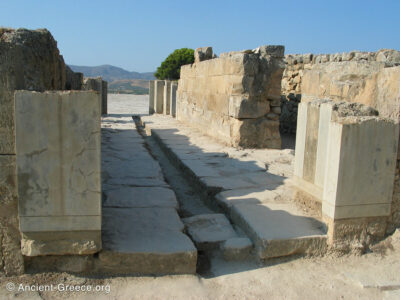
<point x="141" y="197"/>
<point x="209" y="230"/>
<point x="279" y="229"/>
<point x="145" y="241"/>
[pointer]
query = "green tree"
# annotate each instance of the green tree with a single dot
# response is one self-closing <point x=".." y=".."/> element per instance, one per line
<point x="170" y="68"/>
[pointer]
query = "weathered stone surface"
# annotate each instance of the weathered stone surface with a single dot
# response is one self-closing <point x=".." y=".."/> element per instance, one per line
<point x="60" y="243"/>
<point x="99" y="85"/>
<point x="228" y="97"/>
<point x="56" y="172"/>
<point x="74" y="80"/>
<point x="208" y="231"/>
<point x="280" y="229"/>
<point x="238" y="248"/>
<point x="337" y="79"/>
<point x="11" y="261"/>
<point x="201" y="54"/>
<point x="30" y="60"/>
<point x="145" y="241"/>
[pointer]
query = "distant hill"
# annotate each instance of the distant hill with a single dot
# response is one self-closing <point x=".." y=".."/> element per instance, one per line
<point x="119" y="80"/>
<point x="111" y="73"/>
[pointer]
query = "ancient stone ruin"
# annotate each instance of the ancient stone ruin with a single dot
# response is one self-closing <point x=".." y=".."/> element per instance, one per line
<point x="85" y="191"/>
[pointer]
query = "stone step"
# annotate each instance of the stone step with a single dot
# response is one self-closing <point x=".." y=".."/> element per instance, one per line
<point x="145" y="241"/>
<point x="256" y="200"/>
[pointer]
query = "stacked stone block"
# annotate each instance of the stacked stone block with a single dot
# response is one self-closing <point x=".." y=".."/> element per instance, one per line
<point x="350" y="70"/>
<point x="59" y="175"/>
<point x="344" y="165"/>
<point x="235" y="98"/>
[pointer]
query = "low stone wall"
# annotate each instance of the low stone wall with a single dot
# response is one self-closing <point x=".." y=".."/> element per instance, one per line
<point x="58" y="176"/>
<point x="29" y="60"/>
<point x="345" y="160"/>
<point x="297" y="65"/>
<point x="234" y="98"/>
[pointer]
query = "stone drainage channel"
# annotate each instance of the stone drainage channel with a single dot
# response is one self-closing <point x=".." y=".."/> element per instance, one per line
<point x="209" y="229"/>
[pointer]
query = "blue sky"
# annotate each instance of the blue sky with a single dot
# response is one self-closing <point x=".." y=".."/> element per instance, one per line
<point x="138" y="35"/>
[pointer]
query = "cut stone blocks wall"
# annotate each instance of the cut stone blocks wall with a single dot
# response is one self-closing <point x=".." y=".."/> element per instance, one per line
<point x="99" y="85"/>
<point x="235" y="98"/>
<point x="29" y="60"/>
<point x="345" y="161"/>
<point x="348" y="74"/>
<point x="58" y="172"/>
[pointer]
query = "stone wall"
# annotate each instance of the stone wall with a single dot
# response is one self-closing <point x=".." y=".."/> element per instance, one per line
<point x="234" y="98"/>
<point x="29" y="60"/>
<point x="298" y="64"/>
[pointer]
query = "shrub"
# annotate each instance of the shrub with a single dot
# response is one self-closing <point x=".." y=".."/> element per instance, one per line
<point x="170" y="68"/>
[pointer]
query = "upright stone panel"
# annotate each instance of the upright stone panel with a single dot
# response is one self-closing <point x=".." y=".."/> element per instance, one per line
<point x="99" y="85"/>
<point x="104" y="95"/>
<point x="151" y="97"/>
<point x="58" y="171"/>
<point x="174" y="87"/>
<point x="159" y="96"/>
<point x="362" y="154"/>
<point x="167" y="98"/>
<point x="345" y="163"/>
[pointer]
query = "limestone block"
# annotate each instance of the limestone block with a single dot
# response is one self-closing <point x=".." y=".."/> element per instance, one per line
<point x="58" y="165"/>
<point x="174" y="87"/>
<point x="360" y="171"/>
<point x="241" y="108"/>
<point x="95" y="84"/>
<point x="167" y="97"/>
<point x="209" y="230"/>
<point x="201" y="54"/>
<point x="255" y="133"/>
<point x="238" y="248"/>
<point x="151" y="97"/>
<point x="159" y="96"/>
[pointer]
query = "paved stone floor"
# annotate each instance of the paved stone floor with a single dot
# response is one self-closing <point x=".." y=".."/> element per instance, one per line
<point x="141" y="231"/>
